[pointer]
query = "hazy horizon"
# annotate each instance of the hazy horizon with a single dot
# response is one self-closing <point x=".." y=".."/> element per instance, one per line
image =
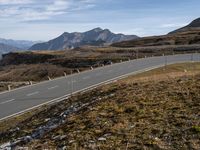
<point x="42" y="21"/>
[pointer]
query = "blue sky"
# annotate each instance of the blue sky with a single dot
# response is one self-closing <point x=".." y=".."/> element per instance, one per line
<point x="46" y="19"/>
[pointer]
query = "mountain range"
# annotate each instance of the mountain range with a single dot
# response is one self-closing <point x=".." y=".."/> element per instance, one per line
<point x="7" y="48"/>
<point x="20" y="44"/>
<point x="189" y="34"/>
<point x="95" y="37"/>
<point x="8" y="45"/>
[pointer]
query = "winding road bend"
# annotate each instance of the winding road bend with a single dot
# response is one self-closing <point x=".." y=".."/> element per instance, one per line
<point x="27" y="98"/>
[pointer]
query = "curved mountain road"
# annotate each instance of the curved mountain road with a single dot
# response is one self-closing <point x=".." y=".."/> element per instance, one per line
<point x="26" y="98"/>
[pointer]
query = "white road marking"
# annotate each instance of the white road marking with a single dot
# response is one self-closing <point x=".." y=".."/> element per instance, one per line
<point x="31" y="94"/>
<point x="7" y="101"/>
<point x="98" y="74"/>
<point x="69" y="83"/>
<point x="51" y="88"/>
<point x="84" y="78"/>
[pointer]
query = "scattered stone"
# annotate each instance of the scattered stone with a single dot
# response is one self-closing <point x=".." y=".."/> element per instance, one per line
<point x="91" y="141"/>
<point x="46" y="120"/>
<point x="63" y="137"/>
<point x="5" y="146"/>
<point x="101" y="139"/>
<point x="71" y="141"/>
<point x="107" y="135"/>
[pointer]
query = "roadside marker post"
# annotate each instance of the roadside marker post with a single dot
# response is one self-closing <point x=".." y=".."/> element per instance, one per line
<point x="165" y="62"/>
<point x="78" y="70"/>
<point x="65" y="74"/>
<point x="9" y="87"/>
<point x="192" y="57"/>
<point x="91" y="68"/>
<point x="30" y="82"/>
<point x="49" y="78"/>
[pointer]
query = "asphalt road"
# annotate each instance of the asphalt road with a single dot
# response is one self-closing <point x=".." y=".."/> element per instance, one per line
<point x="22" y="99"/>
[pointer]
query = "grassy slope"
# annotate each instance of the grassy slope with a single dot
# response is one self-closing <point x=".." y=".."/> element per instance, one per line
<point x="155" y="112"/>
<point x="180" y="38"/>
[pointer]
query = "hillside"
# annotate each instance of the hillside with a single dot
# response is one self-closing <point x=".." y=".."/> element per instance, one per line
<point x="95" y="37"/>
<point x="185" y="36"/>
<point x="155" y="110"/>
<point x="180" y="38"/>
<point x="194" y="25"/>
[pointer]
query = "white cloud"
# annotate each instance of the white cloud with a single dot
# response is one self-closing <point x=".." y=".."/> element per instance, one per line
<point x="34" y="15"/>
<point x="58" y="5"/>
<point x="8" y="12"/>
<point x="29" y="10"/>
<point x="15" y="2"/>
<point x="173" y="25"/>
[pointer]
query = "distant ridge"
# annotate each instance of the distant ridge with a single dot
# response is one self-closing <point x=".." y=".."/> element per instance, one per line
<point x="194" y="25"/>
<point x="95" y="37"/>
<point x="187" y="35"/>
<point x="21" y="44"/>
<point x="7" y="48"/>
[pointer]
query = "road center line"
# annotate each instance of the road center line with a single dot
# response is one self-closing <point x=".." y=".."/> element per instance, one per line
<point x="31" y="94"/>
<point x="84" y="78"/>
<point x="51" y="88"/>
<point x="98" y="74"/>
<point x="7" y="101"/>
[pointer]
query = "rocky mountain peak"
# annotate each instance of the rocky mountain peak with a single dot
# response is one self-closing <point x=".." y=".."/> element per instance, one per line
<point x="94" y="37"/>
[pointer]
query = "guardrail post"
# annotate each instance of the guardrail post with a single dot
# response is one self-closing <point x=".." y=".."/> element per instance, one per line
<point x="192" y="57"/>
<point x="49" y="78"/>
<point x="65" y="74"/>
<point x="165" y="62"/>
<point x="78" y="70"/>
<point x="9" y="87"/>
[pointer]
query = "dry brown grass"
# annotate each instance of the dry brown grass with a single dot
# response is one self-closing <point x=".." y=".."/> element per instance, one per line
<point x="158" y="113"/>
<point x="170" y="71"/>
<point x="35" y="72"/>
